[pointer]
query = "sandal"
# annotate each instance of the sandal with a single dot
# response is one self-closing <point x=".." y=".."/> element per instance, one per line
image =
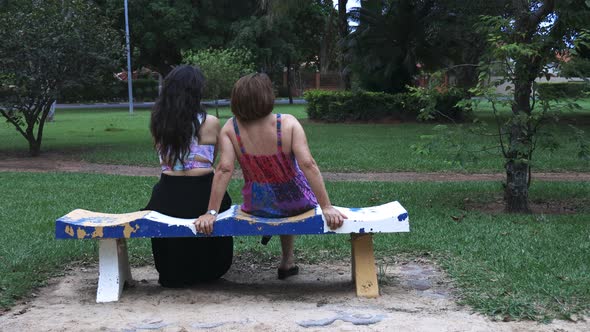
<point x="284" y="274"/>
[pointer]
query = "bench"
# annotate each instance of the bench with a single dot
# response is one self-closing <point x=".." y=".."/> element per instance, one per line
<point x="112" y="230"/>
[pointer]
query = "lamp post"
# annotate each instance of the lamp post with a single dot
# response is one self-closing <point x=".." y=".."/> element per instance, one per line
<point x="129" y="71"/>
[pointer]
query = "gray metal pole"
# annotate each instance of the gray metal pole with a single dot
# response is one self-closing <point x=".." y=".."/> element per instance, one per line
<point x="129" y="71"/>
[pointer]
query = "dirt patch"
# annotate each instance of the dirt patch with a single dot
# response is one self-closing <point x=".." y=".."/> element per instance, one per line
<point x="539" y="207"/>
<point x="415" y="296"/>
<point x="63" y="162"/>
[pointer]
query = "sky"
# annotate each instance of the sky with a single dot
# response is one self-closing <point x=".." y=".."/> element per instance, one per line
<point x="350" y="4"/>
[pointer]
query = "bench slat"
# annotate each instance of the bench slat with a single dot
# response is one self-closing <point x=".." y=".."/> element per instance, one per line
<point x="84" y="224"/>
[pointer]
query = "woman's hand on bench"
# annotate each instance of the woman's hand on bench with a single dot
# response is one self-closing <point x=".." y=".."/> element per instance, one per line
<point x="204" y="224"/>
<point x="333" y="217"/>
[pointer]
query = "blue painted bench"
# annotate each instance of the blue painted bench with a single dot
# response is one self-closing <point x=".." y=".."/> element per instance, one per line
<point x="113" y="229"/>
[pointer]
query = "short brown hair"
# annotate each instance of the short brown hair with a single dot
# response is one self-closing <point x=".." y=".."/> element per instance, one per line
<point x="252" y="97"/>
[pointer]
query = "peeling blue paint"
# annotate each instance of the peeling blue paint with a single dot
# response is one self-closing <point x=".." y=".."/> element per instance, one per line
<point x="145" y="228"/>
<point x="234" y="224"/>
<point x="95" y="220"/>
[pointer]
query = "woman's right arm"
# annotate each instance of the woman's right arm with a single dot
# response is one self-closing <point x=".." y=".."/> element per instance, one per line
<point x="334" y="218"/>
<point x="223" y="173"/>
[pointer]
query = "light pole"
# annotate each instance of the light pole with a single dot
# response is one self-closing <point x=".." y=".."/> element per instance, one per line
<point x="129" y="71"/>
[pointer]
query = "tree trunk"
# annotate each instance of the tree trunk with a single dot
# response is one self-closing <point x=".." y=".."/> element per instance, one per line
<point x="289" y="86"/>
<point x="34" y="147"/>
<point x="526" y="68"/>
<point x="518" y="154"/>
<point x="516" y="191"/>
<point x="324" y="61"/>
<point x="343" y="32"/>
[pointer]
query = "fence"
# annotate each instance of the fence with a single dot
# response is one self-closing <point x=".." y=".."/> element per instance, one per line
<point x="307" y="80"/>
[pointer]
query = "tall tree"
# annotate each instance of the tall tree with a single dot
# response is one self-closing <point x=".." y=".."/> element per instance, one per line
<point x="48" y="46"/>
<point x="343" y="31"/>
<point x="283" y="39"/>
<point x="222" y="68"/>
<point x="161" y="29"/>
<point x="522" y="43"/>
<point x="526" y="39"/>
<point x="393" y="36"/>
<point x="390" y="39"/>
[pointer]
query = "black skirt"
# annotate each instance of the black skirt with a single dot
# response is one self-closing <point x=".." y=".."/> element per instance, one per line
<point x="182" y="262"/>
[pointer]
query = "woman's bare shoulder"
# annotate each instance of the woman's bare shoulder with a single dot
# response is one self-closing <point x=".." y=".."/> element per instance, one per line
<point x="212" y="120"/>
<point x="289" y="119"/>
<point x="209" y="129"/>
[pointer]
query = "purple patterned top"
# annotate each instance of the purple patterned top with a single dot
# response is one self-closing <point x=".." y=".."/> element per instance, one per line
<point x="197" y="153"/>
<point x="274" y="185"/>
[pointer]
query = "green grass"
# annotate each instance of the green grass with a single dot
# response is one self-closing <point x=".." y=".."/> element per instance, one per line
<point x="533" y="267"/>
<point x="115" y="137"/>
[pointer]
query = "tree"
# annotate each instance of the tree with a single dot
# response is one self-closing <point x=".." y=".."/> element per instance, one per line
<point x="390" y="39"/>
<point x="298" y="39"/>
<point x="222" y="68"/>
<point x="161" y="29"/>
<point x="454" y="36"/>
<point x="48" y="46"/>
<point x="525" y="40"/>
<point x="579" y="64"/>
<point x="394" y="36"/>
<point x="343" y="31"/>
<point x="284" y="40"/>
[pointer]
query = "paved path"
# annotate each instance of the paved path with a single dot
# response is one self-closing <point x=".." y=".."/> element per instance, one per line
<point x="51" y="164"/>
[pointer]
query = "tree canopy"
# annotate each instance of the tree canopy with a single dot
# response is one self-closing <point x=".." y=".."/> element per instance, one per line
<point x="222" y="68"/>
<point x="161" y="29"/>
<point x="48" y="46"/>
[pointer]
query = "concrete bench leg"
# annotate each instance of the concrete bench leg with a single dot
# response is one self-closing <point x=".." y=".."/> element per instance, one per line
<point x="113" y="269"/>
<point x="364" y="272"/>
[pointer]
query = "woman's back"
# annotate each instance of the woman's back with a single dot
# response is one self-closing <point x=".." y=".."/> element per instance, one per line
<point x="260" y="137"/>
<point x="274" y="184"/>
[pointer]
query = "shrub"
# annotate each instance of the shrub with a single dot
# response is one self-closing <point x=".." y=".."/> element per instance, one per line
<point x="110" y="90"/>
<point x="548" y="91"/>
<point x="335" y="106"/>
<point x="577" y="67"/>
<point x="144" y="89"/>
<point x="447" y="108"/>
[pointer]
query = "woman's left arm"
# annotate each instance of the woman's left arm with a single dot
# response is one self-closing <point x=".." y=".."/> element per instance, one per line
<point x="223" y="173"/>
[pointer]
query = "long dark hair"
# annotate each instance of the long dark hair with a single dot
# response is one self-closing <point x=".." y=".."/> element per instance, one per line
<point x="174" y="119"/>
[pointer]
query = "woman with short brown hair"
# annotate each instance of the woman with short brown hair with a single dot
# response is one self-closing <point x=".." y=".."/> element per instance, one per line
<point x="281" y="177"/>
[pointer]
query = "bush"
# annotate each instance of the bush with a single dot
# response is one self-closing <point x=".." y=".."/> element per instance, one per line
<point x="336" y="106"/>
<point x="577" y="67"/>
<point x="547" y="91"/>
<point x="221" y="67"/>
<point x="144" y="89"/>
<point x="446" y="105"/>
<point x="110" y="90"/>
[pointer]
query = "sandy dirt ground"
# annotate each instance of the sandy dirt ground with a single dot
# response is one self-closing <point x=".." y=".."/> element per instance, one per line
<point x="415" y="296"/>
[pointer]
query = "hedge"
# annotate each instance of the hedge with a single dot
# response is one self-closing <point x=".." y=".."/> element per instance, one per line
<point x="548" y="91"/>
<point x="337" y="106"/>
<point x="110" y="91"/>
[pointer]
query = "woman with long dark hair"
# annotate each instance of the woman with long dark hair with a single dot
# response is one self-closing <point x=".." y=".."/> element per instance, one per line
<point x="185" y="137"/>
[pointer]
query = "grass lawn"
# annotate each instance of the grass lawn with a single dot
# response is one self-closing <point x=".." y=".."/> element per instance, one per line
<point x="114" y="136"/>
<point x="532" y="267"/>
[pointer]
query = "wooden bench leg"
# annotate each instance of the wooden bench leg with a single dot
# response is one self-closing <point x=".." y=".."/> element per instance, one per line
<point x="364" y="272"/>
<point x="113" y="269"/>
